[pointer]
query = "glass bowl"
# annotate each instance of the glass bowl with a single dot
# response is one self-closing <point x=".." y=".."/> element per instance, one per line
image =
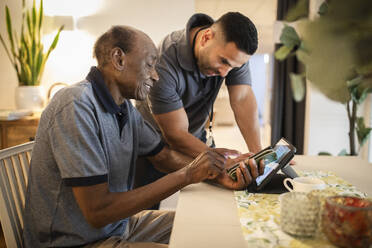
<point x="347" y="221"/>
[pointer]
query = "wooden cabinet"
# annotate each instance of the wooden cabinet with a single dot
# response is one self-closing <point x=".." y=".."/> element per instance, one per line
<point x="18" y="131"/>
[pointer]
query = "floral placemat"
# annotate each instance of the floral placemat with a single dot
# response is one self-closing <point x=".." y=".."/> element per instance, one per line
<point x="260" y="215"/>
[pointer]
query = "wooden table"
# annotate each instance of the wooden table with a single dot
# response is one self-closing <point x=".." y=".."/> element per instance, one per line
<point x="207" y="215"/>
<point x="16" y="132"/>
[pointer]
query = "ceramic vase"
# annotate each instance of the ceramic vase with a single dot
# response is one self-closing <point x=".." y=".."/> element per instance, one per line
<point x="30" y="97"/>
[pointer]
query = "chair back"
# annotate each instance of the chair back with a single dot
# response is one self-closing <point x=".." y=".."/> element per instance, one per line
<point x="14" y="169"/>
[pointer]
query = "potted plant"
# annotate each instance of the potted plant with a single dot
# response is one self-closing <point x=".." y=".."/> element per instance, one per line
<point x="27" y="55"/>
<point x="336" y="51"/>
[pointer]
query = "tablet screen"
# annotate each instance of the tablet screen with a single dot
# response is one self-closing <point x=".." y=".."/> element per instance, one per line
<point x="281" y="149"/>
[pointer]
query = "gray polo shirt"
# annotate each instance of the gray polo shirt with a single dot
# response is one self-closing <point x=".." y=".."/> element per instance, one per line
<point x="181" y="85"/>
<point x="79" y="142"/>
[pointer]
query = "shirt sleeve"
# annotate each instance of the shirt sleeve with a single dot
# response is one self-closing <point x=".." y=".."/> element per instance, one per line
<point x="74" y="139"/>
<point x="241" y="75"/>
<point x="164" y="96"/>
<point x="149" y="141"/>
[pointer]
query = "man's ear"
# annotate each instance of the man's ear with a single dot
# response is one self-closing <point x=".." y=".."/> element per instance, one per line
<point x="207" y="36"/>
<point x="118" y="58"/>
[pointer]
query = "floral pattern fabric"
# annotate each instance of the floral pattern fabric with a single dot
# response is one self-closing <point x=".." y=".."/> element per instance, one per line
<point x="260" y="215"/>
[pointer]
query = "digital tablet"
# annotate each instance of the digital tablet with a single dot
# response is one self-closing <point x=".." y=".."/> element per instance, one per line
<point x="275" y="157"/>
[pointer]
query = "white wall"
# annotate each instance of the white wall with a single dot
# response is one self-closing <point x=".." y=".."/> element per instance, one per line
<point x="328" y="125"/>
<point x="8" y="80"/>
<point x="72" y="58"/>
<point x="261" y="12"/>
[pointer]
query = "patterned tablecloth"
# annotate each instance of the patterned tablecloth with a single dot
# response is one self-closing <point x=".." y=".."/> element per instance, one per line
<point x="260" y="215"/>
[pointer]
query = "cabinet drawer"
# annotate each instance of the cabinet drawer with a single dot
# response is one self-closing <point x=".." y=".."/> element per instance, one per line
<point x="20" y="134"/>
<point x="17" y="132"/>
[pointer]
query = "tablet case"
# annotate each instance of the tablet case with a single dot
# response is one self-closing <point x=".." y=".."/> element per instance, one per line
<point x="276" y="180"/>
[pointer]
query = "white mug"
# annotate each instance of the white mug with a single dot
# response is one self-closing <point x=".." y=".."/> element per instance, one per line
<point x="304" y="184"/>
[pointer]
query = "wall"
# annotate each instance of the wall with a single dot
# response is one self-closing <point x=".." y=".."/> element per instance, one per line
<point x="8" y="76"/>
<point x="72" y="58"/>
<point x="261" y="12"/>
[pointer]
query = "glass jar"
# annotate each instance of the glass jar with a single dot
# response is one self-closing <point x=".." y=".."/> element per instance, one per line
<point x="347" y="221"/>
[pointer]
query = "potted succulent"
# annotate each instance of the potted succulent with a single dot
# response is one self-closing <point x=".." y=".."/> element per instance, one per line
<point x="26" y="53"/>
<point x="336" y="50"/>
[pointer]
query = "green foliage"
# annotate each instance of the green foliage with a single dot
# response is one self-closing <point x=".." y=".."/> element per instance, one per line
<point x="298" y="86"/>
<point x="26" y="53"/>
<point x="324" y="154"/>
<point x="289" y="37"/>
<point x="329" y="59"/>
<point x="363" y="132"/>
<point x="291" y="42"/>
<point x="323" y="9"/>
<point x="359" y="89"/>
<point x="283" y="52"/>
<point x="343" y="152"/>
<point x="338" y="55"/>
<point x="300" y="10"/>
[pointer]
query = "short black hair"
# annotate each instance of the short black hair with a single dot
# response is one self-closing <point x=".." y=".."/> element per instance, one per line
<point x="117" y="36"/>
<point x="239" y="29"/>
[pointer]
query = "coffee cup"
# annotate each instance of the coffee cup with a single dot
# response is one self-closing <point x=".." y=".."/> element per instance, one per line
<point x="303" y="184"/>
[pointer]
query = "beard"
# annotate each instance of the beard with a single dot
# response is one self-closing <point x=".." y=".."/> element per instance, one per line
<point x="205" y="68"/>
<point x="141" y="92"/>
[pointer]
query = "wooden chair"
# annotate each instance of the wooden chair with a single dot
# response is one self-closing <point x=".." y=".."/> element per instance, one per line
<point x="14" y="168"/>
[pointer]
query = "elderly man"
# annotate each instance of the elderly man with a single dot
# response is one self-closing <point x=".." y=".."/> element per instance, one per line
<point x="192" y="66"/>
<point x="80" y="186"/>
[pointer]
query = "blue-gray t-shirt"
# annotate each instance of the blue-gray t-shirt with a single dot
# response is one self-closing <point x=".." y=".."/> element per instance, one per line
<point x="181" y="85"/>
<point x="80" y="142"/>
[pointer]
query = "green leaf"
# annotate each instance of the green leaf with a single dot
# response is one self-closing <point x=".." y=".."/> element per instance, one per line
<point x="33" y="51"/>
<point x="359" y="88"/>
<point x="27" y="49"/>
<point x="323" y="9"/>
<point x="41" y="14"/>
<point x="29" y="24"/>
<point x="289" y="37"/>
<point x="34" y="67"/>
<point x="300" y="10"/>
<point x="28" y="74"/>
<point x="38" y="64"/>
<point x="17" y="70"/>
<point x="6" y="49"/>
<point x="54" y="43"/>
<point x="363" y="132"/>
<point x="298" y="86"/>
<point x="354" y="82"/>
<point x="283" y="52"/>
<point x="324" y="154"/>
<point x="34" y="17"/>
<point x="343" y="152"/>
<point x="9" y="29"/>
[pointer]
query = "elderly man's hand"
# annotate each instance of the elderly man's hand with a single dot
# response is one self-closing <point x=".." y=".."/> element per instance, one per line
<point x="208" y="165"/>
<point x="244" y="175"/>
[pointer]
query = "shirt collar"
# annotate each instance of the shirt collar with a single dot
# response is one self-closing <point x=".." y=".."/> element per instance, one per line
<point x="184" y="49"/>
<point x="103" y="94"/>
